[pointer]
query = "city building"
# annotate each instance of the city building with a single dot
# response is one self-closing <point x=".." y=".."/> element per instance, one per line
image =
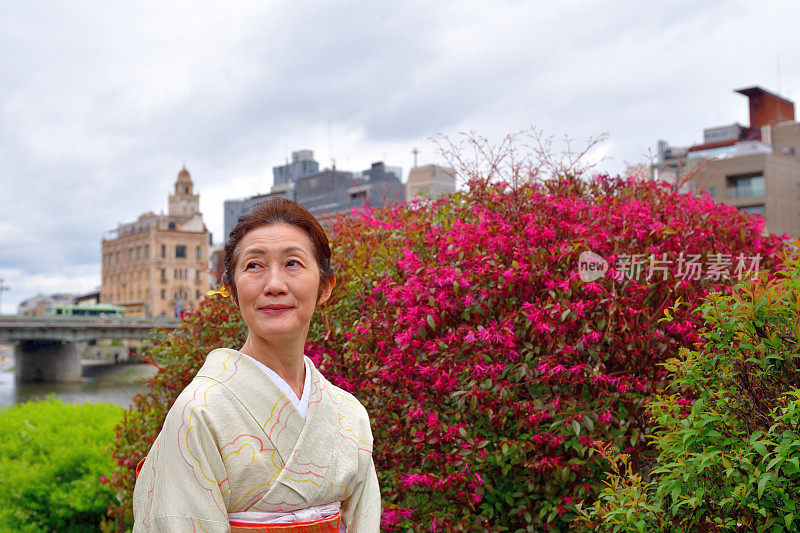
<point x="755" y="168"/>
<point x="158" y="265"/>
<point x="327" y="192"/>
<point x="303" y="164"/>
<point x="216" y="262"/>
<point x="430" y="180"/>
<point x="284" y="178"/>
<point x="332" y="192"/>
<point x="87" y="298"/>
<point x="233" y="209"/>
<point x="36" y="305"/>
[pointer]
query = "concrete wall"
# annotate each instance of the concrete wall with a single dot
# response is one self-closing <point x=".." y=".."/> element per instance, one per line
<point x="49" y="361"/>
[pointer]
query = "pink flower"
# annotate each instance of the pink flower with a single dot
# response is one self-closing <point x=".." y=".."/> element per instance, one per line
<point x="432" y="419"/>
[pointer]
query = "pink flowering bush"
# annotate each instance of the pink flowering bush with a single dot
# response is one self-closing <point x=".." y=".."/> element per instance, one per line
<point x="488" y="366"/>
<point x="490" y="369"/>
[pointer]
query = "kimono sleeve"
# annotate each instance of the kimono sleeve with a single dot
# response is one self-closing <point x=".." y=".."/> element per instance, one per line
<point x="361" y="512"/>
<point x="178" y="488"/>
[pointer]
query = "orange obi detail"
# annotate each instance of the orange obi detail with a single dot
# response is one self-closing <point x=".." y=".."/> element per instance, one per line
<point x="323" y="525"/>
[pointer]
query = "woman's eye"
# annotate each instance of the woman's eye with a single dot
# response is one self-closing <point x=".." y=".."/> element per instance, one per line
<point x="251" y="265"/>
<point x="295" y="261"/>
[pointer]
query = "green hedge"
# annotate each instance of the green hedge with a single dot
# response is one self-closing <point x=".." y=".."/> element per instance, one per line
<point x="52" y="457"/>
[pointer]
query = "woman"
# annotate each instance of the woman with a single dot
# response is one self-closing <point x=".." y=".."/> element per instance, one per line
<point x="260" y="440"/>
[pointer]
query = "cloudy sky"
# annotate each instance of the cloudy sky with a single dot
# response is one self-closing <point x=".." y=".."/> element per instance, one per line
<point x="101" y="103"/>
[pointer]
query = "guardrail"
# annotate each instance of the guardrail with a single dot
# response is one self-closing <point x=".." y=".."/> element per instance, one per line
<point x="60" y="322"/>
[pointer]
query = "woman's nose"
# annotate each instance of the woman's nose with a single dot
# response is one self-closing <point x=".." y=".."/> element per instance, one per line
<point x="274" y="282"/>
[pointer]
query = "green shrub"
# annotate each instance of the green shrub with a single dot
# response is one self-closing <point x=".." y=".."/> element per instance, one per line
<point x="728" y="426"/>
<point x="52" y="457"/>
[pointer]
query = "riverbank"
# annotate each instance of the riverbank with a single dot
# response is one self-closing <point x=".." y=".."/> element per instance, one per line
<point x="118" y="374"/>
<point x="116" y="384"/>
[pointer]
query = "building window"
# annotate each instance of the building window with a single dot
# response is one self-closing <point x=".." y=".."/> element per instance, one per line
<point x="180" y="252"/>
<point x="197" y="276"/>
<point x="163" y="251"/>
<point x="197" y="252"/>
<point x="713" y="192"/>
<point x="758" y="209"/>
<point x="138" y="252"/>
<point x="745" y="185"/>
<point x="163" y="294"/>
<point x="163" y="274"/>
<point x="116" y="258"/>
<point x="130" y="255"/>
<point x="147" y="251"/>
<point x="171" y="225"/>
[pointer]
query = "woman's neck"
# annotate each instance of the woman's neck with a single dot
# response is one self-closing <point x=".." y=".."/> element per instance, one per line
<point x="285" y="360"/>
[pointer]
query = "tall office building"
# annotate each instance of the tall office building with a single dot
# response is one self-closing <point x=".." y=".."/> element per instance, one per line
<point x="324" y="192"/>
<point x="302" y="164"/>
<point x="755" y="168"/>
<point x="284" y="178"/>
<point x="158" y="265"/>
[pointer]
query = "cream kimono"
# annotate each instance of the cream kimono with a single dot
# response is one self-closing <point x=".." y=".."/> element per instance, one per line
<point x="234" y="443"/>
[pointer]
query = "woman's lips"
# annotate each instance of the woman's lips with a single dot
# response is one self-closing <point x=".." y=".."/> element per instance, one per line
<point x="274" y="309"/>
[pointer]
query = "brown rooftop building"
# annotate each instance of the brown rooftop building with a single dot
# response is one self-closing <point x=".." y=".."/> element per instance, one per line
<point x="755" y="168"/>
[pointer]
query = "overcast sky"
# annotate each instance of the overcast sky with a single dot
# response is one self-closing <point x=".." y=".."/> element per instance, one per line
<point x="101" y="103"/>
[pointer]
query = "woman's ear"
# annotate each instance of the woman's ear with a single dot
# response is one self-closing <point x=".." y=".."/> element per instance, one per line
<point x="326" y="292"/>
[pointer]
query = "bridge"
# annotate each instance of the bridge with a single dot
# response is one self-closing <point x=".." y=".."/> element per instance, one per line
<point x="45" y="345"/>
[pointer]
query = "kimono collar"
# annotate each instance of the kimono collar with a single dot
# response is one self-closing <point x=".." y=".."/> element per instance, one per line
<point x="296" y="440"/>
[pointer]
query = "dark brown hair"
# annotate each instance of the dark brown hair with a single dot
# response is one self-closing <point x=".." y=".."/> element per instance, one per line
<point x="278" y="210"/>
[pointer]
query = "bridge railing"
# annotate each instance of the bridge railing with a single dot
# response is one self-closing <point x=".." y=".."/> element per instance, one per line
<point x="74" y="329"/>
<point x="157" y="322"/>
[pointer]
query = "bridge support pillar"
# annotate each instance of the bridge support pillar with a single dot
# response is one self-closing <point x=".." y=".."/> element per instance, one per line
<point x="49" y="361"/>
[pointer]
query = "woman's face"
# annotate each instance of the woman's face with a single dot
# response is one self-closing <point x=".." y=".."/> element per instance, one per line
<point x="277" y="279"/>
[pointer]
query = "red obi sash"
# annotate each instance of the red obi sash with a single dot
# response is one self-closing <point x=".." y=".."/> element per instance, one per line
<point x="323" y="525"/>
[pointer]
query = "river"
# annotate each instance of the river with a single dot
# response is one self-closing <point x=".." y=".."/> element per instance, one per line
<point x="115" y="384"/>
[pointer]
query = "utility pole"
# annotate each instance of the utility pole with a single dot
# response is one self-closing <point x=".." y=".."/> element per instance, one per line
<point x="2" y="288"/>
<point x="415" y="152"/>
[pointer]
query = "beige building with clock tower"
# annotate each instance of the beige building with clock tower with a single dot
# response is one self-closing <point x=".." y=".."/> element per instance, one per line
<point x="158" y="265"/>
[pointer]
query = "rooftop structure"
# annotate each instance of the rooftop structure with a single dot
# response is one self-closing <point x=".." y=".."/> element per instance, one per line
<point x="755" y="168"/>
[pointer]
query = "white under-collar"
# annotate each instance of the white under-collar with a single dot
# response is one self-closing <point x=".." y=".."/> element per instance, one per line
<point x="301" y="404"/>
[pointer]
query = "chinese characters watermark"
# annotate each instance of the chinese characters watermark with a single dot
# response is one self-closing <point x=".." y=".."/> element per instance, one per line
<point x="716" y="267"/>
